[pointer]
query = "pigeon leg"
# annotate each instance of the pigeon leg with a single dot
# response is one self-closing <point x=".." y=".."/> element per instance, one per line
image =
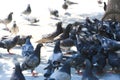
<point x="9" y="52"/>
<point x="7" y="29"/>
<point x="34" y="73"/>
<point x="78" y="72"/>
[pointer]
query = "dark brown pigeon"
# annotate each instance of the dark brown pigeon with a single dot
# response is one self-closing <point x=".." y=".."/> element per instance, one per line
<point x="9" y="43"/>
<point x="50" y="37"/>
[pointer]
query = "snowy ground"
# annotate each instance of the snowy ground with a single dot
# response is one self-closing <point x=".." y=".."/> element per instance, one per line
<point x="45" y="26"/>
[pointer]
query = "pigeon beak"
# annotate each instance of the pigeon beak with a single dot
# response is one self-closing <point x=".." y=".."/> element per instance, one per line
<point x="31" y="36"/>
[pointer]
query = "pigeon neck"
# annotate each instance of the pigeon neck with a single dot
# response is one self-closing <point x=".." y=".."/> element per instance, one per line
<point x="67" y="30"/>
<point x="29" y="9"/>
<point x="10" y="16"/>
<point x="14" y="25"/>
<point x="18" y="69"/>
<point x="57" y="47"/>
<point x="37" y="50"/>
<point x="28" y="41"/>
<point x="59" y="28"/>
<point x="66" y="68"/>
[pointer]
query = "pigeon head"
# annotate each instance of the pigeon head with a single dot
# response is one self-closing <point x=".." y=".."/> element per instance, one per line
<point x="59" y="24"/>
<point x="56" y="13"/>
<point x="29" y="8"/>
<point x="29" y="36"/>
<point x="65" y="6"/>
<point x="17" y="66"/>
<point x="11" y="13"/>
<point x="59" y="27"/>
<point x="68" y="28"/>
<point x="40" y="45"/>
<point x="28" y="40"/>
<point x="76" y="23"/>
<point x="16" y="38"/>
<point x="10" y="16"/>
<point x="36" y="20"/>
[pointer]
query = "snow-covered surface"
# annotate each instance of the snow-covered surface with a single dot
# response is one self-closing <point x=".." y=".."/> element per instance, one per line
<point x="46" y="25"/>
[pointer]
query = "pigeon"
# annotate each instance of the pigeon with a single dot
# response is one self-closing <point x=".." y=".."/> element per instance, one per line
<point x="105" y="6"/>
<point x="54" y="12"/>
<point x="14" y="29"/>
<point x="64" y="73"/>
<point x="7" y="20"/>
<point x="78" y="62"/>
<point x="114" y="60"/>
<point x="65" y="6"/>
<point x="31" y="62"/>
<point x="27" y="11"/>
<point x="100" y="2"/>
<point x="22" y="39"/>
<point x="31" y="19"/>
<point x="17" y="74"/>
<point x="108" y="44"/>
<point x="9" y="43"/>
<point x="69" y="42"/>
<point x="65" y="33"/>
<point x="70" y="2"/>
<point x="56" y="57"/>
<point x="99" y="62"/>
<point x="50" y="37"/>
<point x="49" y="70"/>
<point x="27" y="48"/>
<point x="87" y="74"/>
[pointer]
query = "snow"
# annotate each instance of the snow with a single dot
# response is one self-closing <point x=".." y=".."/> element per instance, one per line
<point x="46" y="25"/>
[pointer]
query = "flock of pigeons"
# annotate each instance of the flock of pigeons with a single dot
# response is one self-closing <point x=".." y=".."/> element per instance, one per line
<point x="97" y="44"/>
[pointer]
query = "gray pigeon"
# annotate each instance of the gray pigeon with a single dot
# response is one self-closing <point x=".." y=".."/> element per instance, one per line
<point x="7" y="20"/>
<point x="56" y="57"/>
<point x="9" y="43"/>
<point x="31" y="19"/>
<point x="27" y="11"/>
<point x="17" y="73"/>
<point x="31" y="62"/>
<point x="64" y="73"/>
<point x="27" y="48"/>
<point x="87" y="74"/>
